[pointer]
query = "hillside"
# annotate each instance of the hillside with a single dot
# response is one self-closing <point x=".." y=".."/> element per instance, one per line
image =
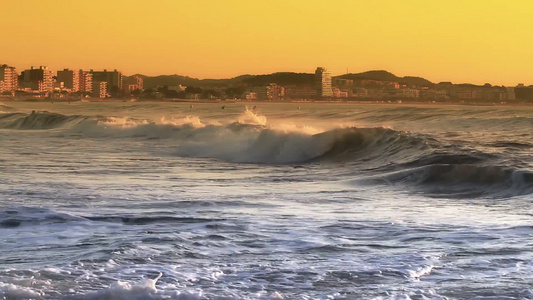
<point x="281" y="78"/>
<point x="173" y="80"/>
<point x="381" y="75"/>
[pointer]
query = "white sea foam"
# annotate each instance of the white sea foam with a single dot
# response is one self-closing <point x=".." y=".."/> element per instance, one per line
<point x="143" y="290"/>
<point x="91" y="205"/>
<point x="251" y="117"/>
<point x="123" y="122"/>
<point x="10" y="291"/>
<point x="422" y="271"/>
<point x="193" y="121"/>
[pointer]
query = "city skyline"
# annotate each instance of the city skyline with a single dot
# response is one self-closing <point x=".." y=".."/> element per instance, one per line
<point x="308" y="70"/>
<point x="474" y="42"/>
<point x="372" y="85"/>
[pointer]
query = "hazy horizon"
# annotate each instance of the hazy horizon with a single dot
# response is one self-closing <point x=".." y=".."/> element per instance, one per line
<point x="474" y="42"/>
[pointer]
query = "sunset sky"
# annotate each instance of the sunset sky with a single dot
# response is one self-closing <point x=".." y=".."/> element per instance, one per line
<point x="473" y="41"/>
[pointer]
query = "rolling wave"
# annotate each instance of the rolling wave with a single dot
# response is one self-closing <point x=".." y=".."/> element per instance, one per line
<point x="248" y="140"/>
<point x="19" y="216"/>
<point x="463" y="180"/>
<point x="37" y="120"/>
<point x="5" y="108"/>
<point x="397" y="157"/>
<point x="28" y="216"/>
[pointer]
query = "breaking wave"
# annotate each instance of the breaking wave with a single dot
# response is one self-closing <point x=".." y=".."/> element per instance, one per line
<point x="248" y="140"/>
<point x="397" y="157"/>
<point x="37" y="120"/>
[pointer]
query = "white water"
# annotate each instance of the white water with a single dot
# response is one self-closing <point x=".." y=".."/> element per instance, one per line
<point x="161" y="201"/>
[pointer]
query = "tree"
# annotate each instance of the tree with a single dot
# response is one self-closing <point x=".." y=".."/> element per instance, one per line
<point x="172" y="94"/>
<point x="136" y="92"/>
<point x="21" y="93"/>
<point x="163" y="89"/>
<point x="234" y="92"/>
<point x="115" y="92"/>
<point x="193" y="90"/>
<point x="207" y="94"/>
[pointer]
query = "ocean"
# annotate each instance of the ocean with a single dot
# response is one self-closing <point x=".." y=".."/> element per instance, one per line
<point x="173" y="200"/>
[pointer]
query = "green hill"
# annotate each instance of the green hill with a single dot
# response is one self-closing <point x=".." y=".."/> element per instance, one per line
<point x="173" y="80"/>
<point x="281" y="78"/>
<point x="381" y="75"/>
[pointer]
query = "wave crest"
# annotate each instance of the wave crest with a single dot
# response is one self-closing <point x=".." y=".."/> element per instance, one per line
<point x="463" y="180"/>
<point x="38" y="120"/>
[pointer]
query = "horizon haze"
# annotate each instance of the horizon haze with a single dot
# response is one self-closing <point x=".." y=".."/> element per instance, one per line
<point x="474" y="42"/>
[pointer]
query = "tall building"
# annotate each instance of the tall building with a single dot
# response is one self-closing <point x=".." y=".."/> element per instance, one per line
<point x="8" y="79"/>
<point x="139" y="81"/>
<point x="76" y="81"/>
<point x="99" y="89"/>
<point x="38" y="79"/>
<point x="113" y="79"/>
<point x="323" y="83"/>
<point x="69" y="78"/>
<point x="85" y="82"/>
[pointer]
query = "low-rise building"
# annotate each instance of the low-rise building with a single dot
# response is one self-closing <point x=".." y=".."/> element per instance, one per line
<point x="391" y="93"/>
<point x="130" y="88"/>
<point x="410" y="93"/>
<point x="524" y="93"/>
<point x="431" y="94"/>
<point x="338" y="93"/>
<point x="275" y="92"/>
<point x="139" y="82"/>
<point x="258" y="92"/>
<point x="342" y="83"/>
<point x="250" y="96"/>
<point x="510" y="94"/>
<point x="300" y="92"/>
<point x="358" y="93"/>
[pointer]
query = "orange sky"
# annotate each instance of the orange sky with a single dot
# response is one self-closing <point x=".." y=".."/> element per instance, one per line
<point x="473" y="41"/>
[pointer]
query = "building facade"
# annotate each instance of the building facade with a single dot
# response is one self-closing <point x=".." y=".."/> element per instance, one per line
<point x="85" y="82"/>
<point x="99" y="89"/>
<point x="8" y="79"/>
<point x="139" y="82"/>
<point x="40" y="79"/>
<point x="112" y="78"/>
<point x="69" y="78"/>
<point x="275" y="92"/>
<point x="523" y="93"/>
<point x="299" y="92"/>
<point x="323" y="83"/>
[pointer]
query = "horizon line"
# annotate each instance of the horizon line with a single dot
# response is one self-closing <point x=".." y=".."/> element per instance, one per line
<point x="260" y="74"/>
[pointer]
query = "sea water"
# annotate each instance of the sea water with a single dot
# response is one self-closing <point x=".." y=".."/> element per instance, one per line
<point x="167" y="200"/>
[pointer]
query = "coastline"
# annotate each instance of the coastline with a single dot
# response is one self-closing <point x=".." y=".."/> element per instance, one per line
<point x="302" y="101"/>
